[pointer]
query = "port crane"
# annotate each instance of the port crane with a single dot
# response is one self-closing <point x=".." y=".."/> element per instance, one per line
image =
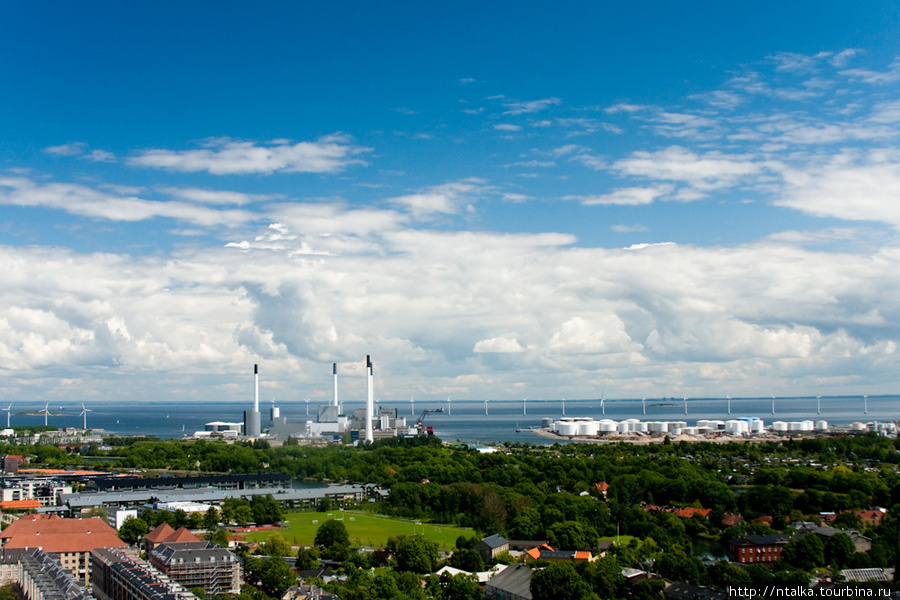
<point x="420" y="424"/>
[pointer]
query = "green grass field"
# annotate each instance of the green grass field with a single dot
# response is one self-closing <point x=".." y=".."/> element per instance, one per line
<point x="365" y="529"/>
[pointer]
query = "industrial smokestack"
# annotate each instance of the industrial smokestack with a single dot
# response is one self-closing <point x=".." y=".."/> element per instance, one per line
<point x="334" y="401"/>
<point x="255" y="388"/>
<point x="370" y="400"/>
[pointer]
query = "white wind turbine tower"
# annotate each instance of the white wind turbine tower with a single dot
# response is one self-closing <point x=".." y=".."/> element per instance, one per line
<point x="524" y="410"/>
<point x="84" y="412"/>
<point x="602" y="406"/>
<point x="685" y="405"/>
<point x="644" y="405"/>
<point x="818" y="405"/>
<point x="448" y="406"/>
<point x="8" y="409"/>
<point x="773" y="405"/>
<point x="729" y="403"/>
<point x="564" y="406"/>
<point x="46" y="411"/>
<point x="865" y="404"/>
<point x="485" y="407"/>
<point x="307" y="406"/>
<point x="412" y="405"/>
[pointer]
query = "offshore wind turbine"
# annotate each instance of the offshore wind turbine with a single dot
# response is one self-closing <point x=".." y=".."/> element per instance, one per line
<point x="524" y="410"/>
<point x="564" y="406"/>
<point x="412" y="405"/>
<point x="818" y="405"/>
<point x="448" y="406"/>
<point x="728" y="398"/>
<point x="685" y="405"/>
<point x="46" y="411"/>
<point x="7" y="409"/>
<point x="485" y="407"/>
<point x="602" y="406"/>
<point x="865" y="404"/>
<point x="644" y="405"/>
<point x="773" y="405"/>
<point x="85" y="411"/>
<point x="307" y="406"/>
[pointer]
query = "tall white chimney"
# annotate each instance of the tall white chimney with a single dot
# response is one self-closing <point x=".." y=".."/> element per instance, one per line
<point x="255" y="388"/>
<point x="370" y="400"/>
<point x="334" y="401"/>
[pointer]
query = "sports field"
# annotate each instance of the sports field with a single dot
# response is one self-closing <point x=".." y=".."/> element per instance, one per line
<point x="364" y="529"/>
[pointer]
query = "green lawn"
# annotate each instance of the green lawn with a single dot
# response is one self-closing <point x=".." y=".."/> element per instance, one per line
<point x="365" y="529"/>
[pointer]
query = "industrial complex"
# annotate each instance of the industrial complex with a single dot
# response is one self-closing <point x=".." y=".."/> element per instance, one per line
<point x="329" y="423"/>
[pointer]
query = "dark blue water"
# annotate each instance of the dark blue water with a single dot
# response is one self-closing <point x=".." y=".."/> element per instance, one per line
<point x="466" y="420"/>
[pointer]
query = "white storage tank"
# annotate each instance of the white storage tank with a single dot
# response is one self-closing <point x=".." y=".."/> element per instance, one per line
<point x="642" y="426"/>
<point x="690" y="430"/>
<point x="780" y="426"/>
<point x="567" y="428"/>
<point x="589" y="428"/>
<point x="757" y="426"/>
<point x="821" y="425"/>
<point x="608" y="426"/>
<point x="858" y="426"/>
<point x="659" y="426"/>
<point x="632" y="424"/>
<point x="622" y="427"/>
<point x="675" y="429"/>
<point x="703" y="423"/>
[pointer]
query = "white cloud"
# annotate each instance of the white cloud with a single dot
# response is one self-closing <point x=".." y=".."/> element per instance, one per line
<point x="875" y="77"/>
<point x="708" y="171"/>
<point x="448" y="198"/>
<point x="216" y="196"/>
<point x="531" y="106"/>
<point x="228" y="157"/>
<point x="73" y="149"/>
<point x="848" y="186"/>
<point x="101" y="156"/>
<point x="499" y="344"/>
<point x="82" y="200"/>
<point x="507" y="127"/>
<point x="633" y="196"/>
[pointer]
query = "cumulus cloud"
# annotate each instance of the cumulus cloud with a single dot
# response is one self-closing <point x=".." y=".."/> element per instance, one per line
<point x="624" y="197"/>
<point x="229" y="157"/>
<point x="447" y="199"/>
<point x="707" y="171"/>
<point x="206" y="196"/>
<point x="530" y="106"/>
<point x="498" y="344"/>
<point x="83" y="200"/>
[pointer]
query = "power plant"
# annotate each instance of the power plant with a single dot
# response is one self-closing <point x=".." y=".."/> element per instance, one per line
<point x="329" y="423"/>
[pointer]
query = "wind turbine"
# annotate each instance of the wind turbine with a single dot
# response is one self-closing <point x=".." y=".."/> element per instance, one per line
<point x="602" y="406"/>
<point x="84" y="412"/>
<point x="564" y="406"/>
<point x="485" y="407"/>
<point x="865" y="404"/>
<point x="818" y="405"/>
<point x="644" y="405"/>
<point x="773" y="405"/>
<point x="685" y="405"/>
<point x="46" y="411"/>
<point x="412" y="405"/>
<point x="7" y="409"/>
<point x="729" y="403"/>
<point x="448" y="406"/>
<point x="307" y="406"/>
<point x="524" y="410"/>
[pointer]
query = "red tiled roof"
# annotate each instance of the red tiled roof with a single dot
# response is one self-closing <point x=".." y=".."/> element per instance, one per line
<point x="55" y="534"/>
<point x="19" y="504"/>
<point x="729" y="520"/>
<point x="689" y="512"/>
<point x="602" y="486"/>
<point x="181" y="535"/>
<point x="160" y="533"/>
<point x="582" y="555"/>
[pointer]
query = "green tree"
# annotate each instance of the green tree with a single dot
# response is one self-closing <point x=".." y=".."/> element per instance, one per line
<point x="307" y="559"/>
<point x="277" y="546"/>
<point x="416" y="554"/>
<point x="806" y="553"/>
<point x="218" y="536"/>
<point x="133" y="529"/>
<point x="460" y="587"/>
<point x="467" y="560"/>
<point x="270" y="574"/>
<point x="331" y="534"/>
<point x="839" y="549"/>
<point x="558" y="581"/>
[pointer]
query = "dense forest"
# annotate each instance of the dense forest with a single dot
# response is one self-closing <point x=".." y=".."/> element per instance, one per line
<point x="550" y="493"/>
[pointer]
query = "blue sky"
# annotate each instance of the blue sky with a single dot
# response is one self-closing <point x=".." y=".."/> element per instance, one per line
<point x="639" y="198"/>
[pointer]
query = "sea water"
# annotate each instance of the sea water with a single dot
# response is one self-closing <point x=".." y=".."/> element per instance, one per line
<point x="467" y="421"/>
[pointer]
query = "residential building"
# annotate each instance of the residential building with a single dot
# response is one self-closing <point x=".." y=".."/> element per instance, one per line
<point x="121" y="575"/>
<point x="42" y="577"/>
<point x="164" y="534"/>
<point x="199" y="564"/>
<point x="70" y="540"/>
<point x="491" y="546"/>
<point x="757" y="548"/>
